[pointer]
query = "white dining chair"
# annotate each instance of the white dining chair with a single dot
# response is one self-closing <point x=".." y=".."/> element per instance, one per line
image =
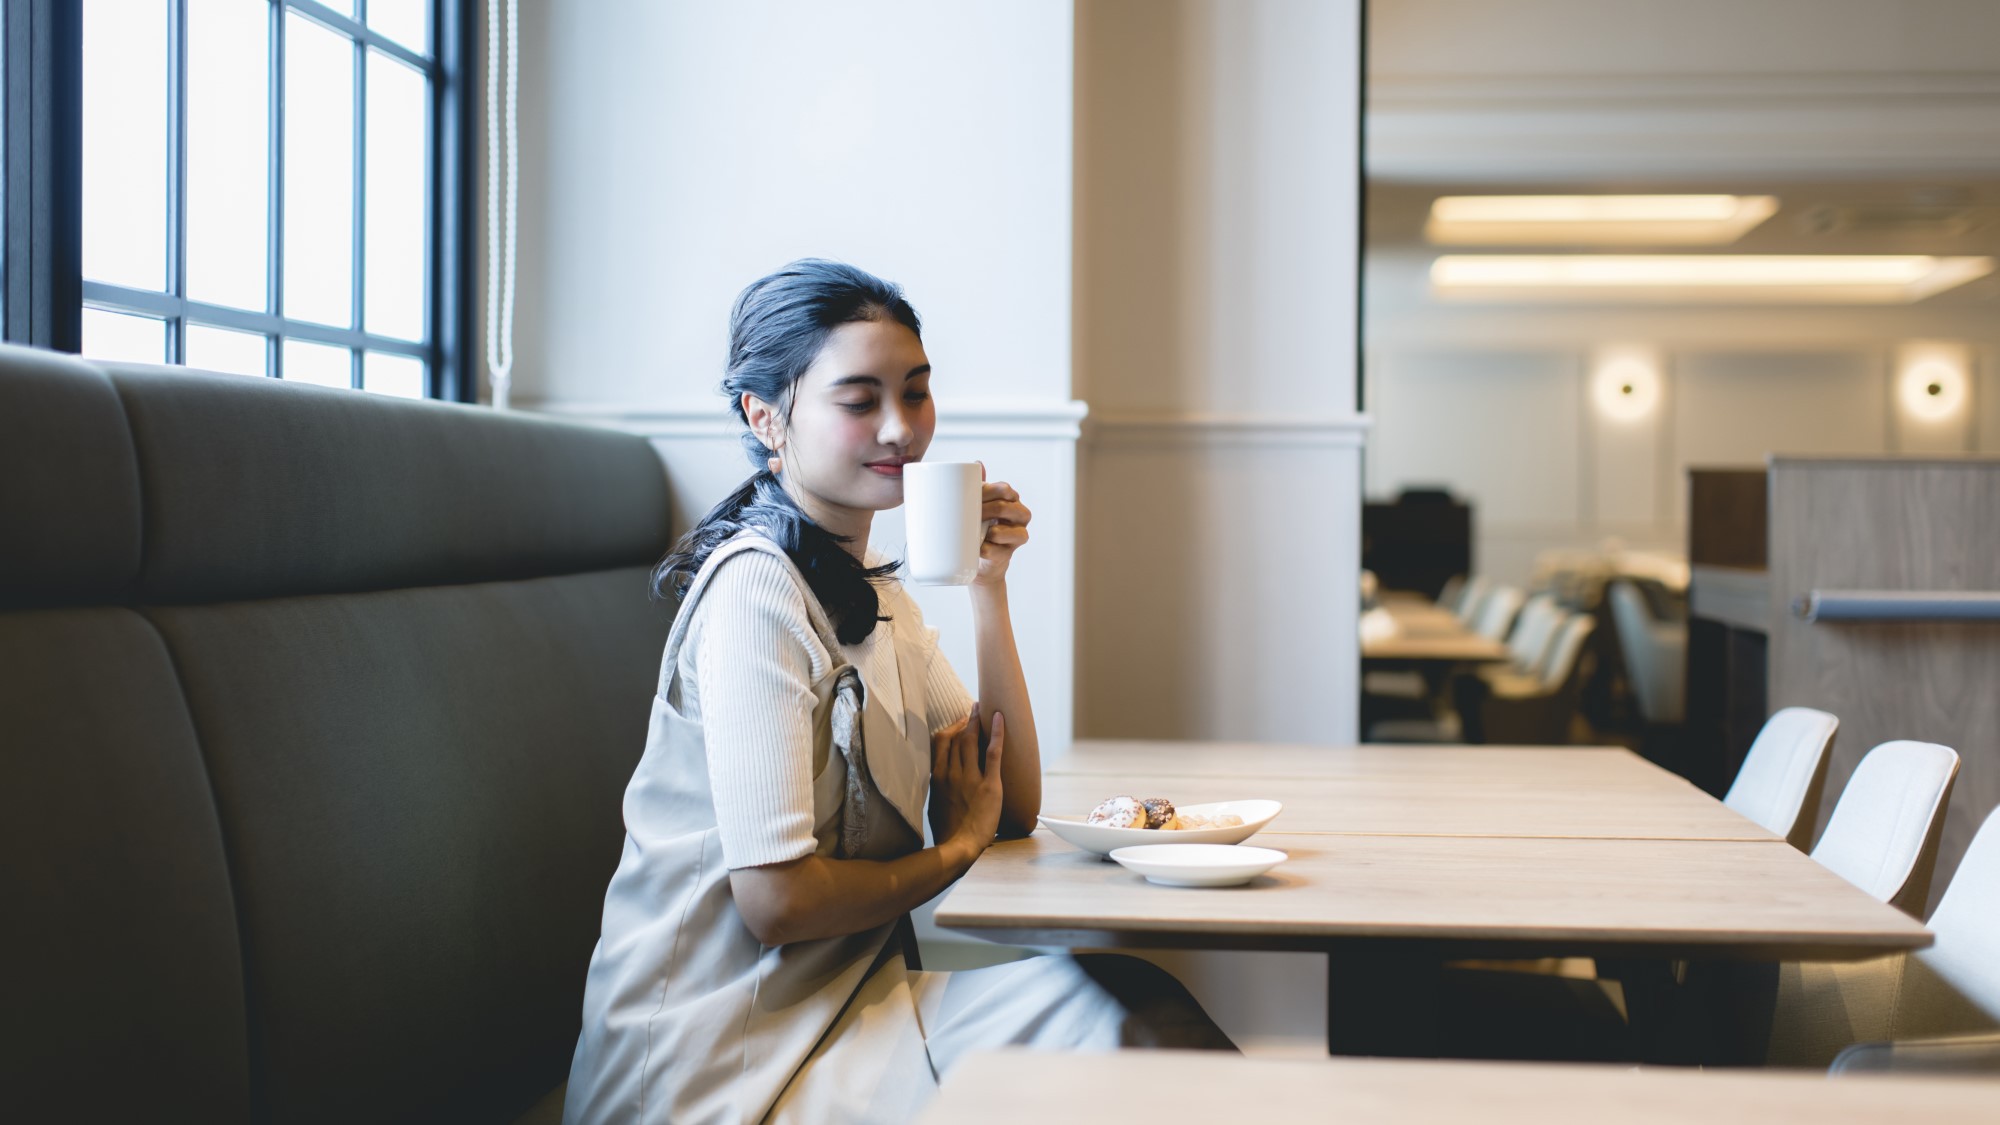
<point x="1534" y="628"/>
<point x="1452" y="591"/>
<point x="1883" y="834"/>
<point x="1892" y="1012"/>
<point x="1472" y="598"/>
<point x="1535" y="709"/>
<point x="1496" y="613"/>
<point x="1655" y="654"/>
<point x="1780" y="781"/>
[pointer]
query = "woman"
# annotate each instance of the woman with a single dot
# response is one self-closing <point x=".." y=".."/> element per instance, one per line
<point x="752" y="964"/>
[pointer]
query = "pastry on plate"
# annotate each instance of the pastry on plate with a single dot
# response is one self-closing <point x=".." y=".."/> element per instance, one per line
<point x="1119" y="812"/>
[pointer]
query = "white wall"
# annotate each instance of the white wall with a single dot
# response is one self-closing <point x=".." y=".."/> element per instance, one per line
<point x="673" y="152"/>
<point x="1516" y="431"/>
<point x="1216" y="205"/>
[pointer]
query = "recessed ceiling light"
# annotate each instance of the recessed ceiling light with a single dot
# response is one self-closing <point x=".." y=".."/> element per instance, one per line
<point x="1862" y="279"/>
<point x="1578" y="220"/>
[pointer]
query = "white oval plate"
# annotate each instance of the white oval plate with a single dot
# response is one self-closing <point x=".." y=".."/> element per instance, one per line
<point x="1103" y="839"/>
<point x="1198" y="865"/>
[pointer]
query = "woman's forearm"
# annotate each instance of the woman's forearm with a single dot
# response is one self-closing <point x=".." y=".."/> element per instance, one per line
<point x="1003" y="688"/>
<point x="816" y="897"/>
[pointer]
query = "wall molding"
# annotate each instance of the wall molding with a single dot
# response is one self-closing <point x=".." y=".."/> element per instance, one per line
<point x="708" y="419"/>
<point x="1184" y="428"/>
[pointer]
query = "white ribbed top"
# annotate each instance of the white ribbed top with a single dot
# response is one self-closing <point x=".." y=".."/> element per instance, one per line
<point x="747" y="670"/>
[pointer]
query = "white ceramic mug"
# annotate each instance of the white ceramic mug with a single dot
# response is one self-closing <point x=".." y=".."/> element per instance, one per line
<point x="941" y="521"/>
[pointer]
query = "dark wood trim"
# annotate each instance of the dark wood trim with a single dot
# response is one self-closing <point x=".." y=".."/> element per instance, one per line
<point x="44" y="173"/>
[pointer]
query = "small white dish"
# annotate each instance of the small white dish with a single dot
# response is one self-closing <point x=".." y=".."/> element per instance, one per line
<point x="1198" y="865"/>
<point x="1103" y="839"/>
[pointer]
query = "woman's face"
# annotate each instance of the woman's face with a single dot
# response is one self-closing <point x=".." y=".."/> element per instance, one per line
<point x="860" y="412"/>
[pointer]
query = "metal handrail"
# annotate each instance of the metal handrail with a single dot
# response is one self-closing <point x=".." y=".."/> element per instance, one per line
<point x="1898" y="605"/>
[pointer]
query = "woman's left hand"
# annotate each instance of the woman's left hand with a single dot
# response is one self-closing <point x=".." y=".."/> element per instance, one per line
<point x="1006" y="520"/>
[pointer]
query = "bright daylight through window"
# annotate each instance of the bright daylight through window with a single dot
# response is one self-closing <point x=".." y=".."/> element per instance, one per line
<point x="259" y="187"/>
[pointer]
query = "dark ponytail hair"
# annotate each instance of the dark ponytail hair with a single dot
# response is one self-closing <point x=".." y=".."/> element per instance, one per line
<point x="776" y="330"/>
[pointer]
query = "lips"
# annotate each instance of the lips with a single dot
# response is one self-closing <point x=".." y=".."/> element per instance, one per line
<point x="891" y="468"/>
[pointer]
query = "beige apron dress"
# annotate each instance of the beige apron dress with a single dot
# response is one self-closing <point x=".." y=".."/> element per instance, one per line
<point x="688" y="1019"/>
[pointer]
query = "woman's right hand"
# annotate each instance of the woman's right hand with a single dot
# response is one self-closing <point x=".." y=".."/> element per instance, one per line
<point x="965" y="799"/>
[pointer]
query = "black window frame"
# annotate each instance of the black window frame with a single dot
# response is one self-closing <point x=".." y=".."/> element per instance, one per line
<point x="45" y="292"/>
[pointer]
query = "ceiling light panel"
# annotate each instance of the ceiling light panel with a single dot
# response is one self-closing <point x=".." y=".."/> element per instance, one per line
<point x="1850" y="279"/>
<point x="1595" y="220"/>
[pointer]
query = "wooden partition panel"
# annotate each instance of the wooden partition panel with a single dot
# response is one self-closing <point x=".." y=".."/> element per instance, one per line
<point x="1896" y="524"/>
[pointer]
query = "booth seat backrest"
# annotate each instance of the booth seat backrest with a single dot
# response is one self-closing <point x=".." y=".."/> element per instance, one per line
<point x="316" y="709"/>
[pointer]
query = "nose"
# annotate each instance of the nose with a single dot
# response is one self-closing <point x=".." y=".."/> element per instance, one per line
<point x="896" y="430"/>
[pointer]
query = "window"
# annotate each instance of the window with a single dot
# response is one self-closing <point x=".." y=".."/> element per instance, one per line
<point x="273" y="188"/>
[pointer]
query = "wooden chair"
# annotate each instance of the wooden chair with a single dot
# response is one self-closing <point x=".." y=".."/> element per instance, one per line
<point x="1782" y="776"/>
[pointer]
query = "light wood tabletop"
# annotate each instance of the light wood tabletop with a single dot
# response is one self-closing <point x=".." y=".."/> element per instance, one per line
<point x="1427" y="633"/>
<point x="1423" y="618"/>
<point x="1445" y="648"/>
<point x="1010" y="1087"/>
<point x="1450" y="895"/>
<point x="1496" y="804"/>
<point x="1605" y="770"/>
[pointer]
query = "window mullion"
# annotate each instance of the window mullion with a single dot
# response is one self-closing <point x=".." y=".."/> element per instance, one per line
<point x="274" y="188"/>
<point x="177" y="179"/>
<point x="357" y="236"/>
<point x="451" y="218"/>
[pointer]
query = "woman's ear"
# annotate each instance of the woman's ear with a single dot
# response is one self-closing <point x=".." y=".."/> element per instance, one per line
<point x="766" y="421"/>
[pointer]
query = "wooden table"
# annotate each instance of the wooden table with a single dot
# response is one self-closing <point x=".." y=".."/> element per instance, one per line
<point x="1599" y="791"/>
<point x="1601" y="768"/>
<point x="1445" y="897"/>
<point x="1450" y="648"/>
<point x="1430" y="634"/>
<point x="1418" y="806"/>
<point x="1403" y="857"/>
<point x="1011" y="1087"/>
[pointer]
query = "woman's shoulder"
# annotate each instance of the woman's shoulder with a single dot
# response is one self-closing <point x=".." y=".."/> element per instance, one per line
<point x="750" y="565"/>
<point x="754" y="586"/>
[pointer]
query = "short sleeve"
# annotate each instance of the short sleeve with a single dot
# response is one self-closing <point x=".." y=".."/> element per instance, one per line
<point x="756" y="661"/>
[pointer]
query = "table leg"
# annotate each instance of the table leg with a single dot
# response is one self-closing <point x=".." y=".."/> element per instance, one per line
<point x="1382" y="1002"/>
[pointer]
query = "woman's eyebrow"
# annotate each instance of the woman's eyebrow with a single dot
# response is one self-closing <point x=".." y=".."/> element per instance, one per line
<point x="844" y="380"/>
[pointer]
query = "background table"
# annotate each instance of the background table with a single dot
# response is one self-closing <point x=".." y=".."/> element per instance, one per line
<point x="1430" y="634"/>
<point x="1011" y="1087"/>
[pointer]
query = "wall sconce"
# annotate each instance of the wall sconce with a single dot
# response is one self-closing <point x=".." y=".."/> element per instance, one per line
<point x="1625" y="383"/>
<point x="1932" y="381"/>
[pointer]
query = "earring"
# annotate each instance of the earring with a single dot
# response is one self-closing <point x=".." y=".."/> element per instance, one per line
<point x="774" y="463"/>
